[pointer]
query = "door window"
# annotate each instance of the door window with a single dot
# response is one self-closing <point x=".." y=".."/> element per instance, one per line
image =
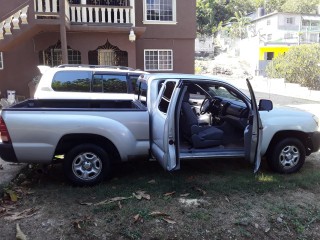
<point x="166" y="96"/>
<point x="71" y="81"/>
<point x="109" y="83"/>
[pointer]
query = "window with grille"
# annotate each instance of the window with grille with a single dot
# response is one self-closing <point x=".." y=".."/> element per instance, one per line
<point x="158" y="60"/>
<point x="1" y="61"/>
<point x="52" y="56"/>
<point x="160" y="11"/>
<point x="108" y="54"/>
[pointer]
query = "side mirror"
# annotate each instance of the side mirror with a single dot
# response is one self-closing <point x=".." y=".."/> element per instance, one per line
<point x="265" y="105"/>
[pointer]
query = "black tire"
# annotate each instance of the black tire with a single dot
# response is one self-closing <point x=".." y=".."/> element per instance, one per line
<point x="287" y="155"/>
<point x="86" y="165"/>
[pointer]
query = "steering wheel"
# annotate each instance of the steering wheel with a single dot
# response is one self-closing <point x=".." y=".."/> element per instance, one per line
<point x="205" y="105"/>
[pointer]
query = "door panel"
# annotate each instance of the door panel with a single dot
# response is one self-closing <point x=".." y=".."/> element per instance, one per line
<point x="163" y="143"/>
<point x="253" y="133"/>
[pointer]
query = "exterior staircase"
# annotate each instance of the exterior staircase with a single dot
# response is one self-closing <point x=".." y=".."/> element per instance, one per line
<point x="34" y="16"/>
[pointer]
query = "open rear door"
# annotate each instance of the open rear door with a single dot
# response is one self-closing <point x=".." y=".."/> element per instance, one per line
<point x="253" y="133"/>
<point x="163" y="142"/>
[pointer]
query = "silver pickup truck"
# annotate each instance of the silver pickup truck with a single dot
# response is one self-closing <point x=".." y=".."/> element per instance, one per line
<point x="174" y="116"/>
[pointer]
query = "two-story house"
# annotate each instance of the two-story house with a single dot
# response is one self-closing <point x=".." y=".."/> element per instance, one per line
<point x="274" y="33"/>
<point x="151" y="35"/>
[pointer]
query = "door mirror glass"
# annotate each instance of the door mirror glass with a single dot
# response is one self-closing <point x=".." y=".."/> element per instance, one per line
<point x="265" y="105"/>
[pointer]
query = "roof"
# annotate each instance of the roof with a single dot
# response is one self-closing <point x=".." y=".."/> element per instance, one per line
<point x="304" y="16"/>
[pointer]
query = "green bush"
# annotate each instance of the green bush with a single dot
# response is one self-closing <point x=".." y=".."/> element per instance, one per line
<point x="301" y="64"/>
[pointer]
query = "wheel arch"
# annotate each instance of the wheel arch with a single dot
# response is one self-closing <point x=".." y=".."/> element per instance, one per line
<point x="69" y="141"/>
<point x="302" y="136"/>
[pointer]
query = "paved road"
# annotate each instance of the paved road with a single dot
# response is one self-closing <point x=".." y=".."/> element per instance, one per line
<point x="282" y="100"/>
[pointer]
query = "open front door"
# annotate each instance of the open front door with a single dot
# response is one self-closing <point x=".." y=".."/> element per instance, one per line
<point x="253" y="133"/>
<point x="163" y="138"/>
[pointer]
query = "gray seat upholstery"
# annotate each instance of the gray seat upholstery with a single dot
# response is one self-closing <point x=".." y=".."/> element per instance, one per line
<point x="198" y="136"/>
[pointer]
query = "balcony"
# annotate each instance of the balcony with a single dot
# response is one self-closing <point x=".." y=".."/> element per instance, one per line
<point x="111" y="12"/>
<point x="33" y="16"/>
<point x="310" y="29"/>
<point x="33" y="11"/>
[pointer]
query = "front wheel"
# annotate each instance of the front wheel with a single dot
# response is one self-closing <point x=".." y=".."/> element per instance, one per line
<point x="287" y="156"/>
<point x="86" y="164"/>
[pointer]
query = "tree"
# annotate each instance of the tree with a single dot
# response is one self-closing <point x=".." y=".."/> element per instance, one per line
<point x="300" y="6"/>
<point x="274" y="5"/>
<point x="299" y="65"/>
<point x="209" y="14"/>
<point x="237" y="27"/>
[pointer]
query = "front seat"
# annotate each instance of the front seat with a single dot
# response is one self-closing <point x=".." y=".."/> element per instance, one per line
<point x="198" y="136"/>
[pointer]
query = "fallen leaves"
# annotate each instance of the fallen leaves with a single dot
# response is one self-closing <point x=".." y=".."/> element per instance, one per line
<point x="13" y="196"/>
<point x="184" y="195"/>
<point x="20" y="235"/>
<point x="169" y="194"/>
<point x="156" y="214"/>
<point x="82" y="222"/>
<point x="203" y="192"/>
<point x="137" y="218"/>
<point x="138" y="195"/>
<point x="13" y="216"/>
<point x="163" y="216"/>
<point x="141" y="195"/>
<point x="112" y="200"/>
<point x="15" y="193"/>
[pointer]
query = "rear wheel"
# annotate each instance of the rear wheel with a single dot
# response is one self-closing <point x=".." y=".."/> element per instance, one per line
<point x="287" y="155"/>
<point x="87" y="164"/>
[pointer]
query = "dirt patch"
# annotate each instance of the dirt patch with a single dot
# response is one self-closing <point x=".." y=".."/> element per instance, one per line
<point x="218" y="199"/>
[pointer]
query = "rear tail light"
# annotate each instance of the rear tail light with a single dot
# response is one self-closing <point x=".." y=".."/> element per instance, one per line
<point x="5" y="137"/>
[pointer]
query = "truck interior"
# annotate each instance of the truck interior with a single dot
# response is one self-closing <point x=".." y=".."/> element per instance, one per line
<point x="212" y="117"/>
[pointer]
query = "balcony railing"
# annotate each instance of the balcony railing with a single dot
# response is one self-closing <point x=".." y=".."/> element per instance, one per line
<point x="32" y="10"/>
<point x="100" y="14"/>
<point x="14" y="20"/>
<point x="84" y="13"/>
<point x="311" y="28"/>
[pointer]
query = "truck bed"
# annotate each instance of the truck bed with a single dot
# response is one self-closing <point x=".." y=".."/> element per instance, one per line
<point x="37" y="126"/>
<point x="78" y="104"/>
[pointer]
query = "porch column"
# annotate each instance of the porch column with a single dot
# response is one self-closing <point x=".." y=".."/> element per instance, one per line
<point x="132" y="13"/>
<point x="63" y="33"/>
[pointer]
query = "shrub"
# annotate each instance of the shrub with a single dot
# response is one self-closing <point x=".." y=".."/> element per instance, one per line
<point x="301" y="64"/>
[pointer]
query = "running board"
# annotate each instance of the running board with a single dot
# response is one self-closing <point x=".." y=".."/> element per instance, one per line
<point x="212" y="155"/>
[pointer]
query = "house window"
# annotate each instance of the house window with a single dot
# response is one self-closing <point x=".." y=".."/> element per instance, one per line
<point x="1" y="61"/>
<point x="52" y="56"/>
<point x="106" y="57"/>
<point x="158" y="60"/>
<point x="159" y="11"/>
<point x="270" y="55"/>
<point x="290" y="20"/>
<point x="268" y="22"/>
<point x="108" y="54"/>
